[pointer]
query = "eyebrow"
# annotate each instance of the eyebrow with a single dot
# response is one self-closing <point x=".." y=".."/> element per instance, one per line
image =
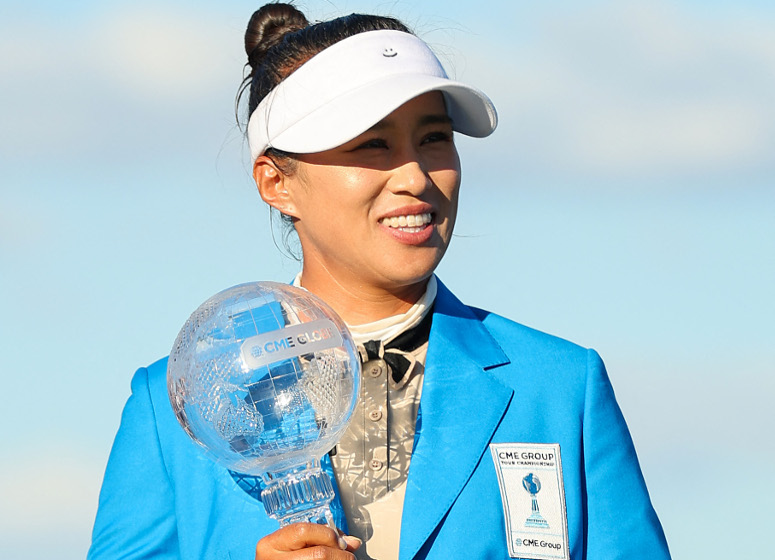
<point x="425" y="120"/>
<point x="436" y="119"/>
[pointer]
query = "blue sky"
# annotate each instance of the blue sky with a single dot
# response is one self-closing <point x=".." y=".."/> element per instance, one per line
<point x="626" y="202"/>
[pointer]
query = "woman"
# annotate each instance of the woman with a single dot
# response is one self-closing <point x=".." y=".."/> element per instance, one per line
<point x="515" y="442"/>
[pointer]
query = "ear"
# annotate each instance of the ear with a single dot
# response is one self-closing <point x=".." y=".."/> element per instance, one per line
<point x="272" y="185"/>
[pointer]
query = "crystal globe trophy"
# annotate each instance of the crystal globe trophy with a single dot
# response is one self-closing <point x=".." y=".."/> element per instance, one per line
<point x="265" y="377"/>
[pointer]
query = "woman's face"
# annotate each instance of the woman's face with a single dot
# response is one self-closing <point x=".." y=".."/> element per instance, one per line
<point x="379" y="210"/>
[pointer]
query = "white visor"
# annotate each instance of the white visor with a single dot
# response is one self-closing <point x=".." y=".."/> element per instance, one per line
<point x="352" y="85"/>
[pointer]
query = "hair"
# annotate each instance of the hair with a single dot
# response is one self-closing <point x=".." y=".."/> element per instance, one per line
<point x="278" y="40"/>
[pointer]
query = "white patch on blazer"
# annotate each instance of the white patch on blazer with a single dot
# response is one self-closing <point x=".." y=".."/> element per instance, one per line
<point x="533" y="495"/>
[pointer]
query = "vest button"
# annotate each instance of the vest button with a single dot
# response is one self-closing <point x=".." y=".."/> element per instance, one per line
<point x="376" y="368"/>
<point x="375" y="415"/>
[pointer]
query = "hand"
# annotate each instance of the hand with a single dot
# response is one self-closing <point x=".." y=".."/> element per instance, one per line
<point x="306" y="541"/>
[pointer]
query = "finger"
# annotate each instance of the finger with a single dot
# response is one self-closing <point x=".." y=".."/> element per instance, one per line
<point x="353" y="543"/>
<point x="314" y="553"/>
<point x="303" y="535"/>
<point x="322" y="553"/>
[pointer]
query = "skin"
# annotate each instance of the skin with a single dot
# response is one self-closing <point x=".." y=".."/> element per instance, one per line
<point x="306" y="541"/>
<point x="406" y="164"/>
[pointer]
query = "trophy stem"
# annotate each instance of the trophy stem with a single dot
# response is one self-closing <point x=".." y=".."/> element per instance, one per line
<point x="299" y="494"/>
<point x="536" y="519"/>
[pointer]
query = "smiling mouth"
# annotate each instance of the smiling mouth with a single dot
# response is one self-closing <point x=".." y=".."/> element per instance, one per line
<point x="410" y="223"/>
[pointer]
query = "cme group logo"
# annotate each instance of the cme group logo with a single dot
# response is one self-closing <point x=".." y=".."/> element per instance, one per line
<point x="290" y="342"/>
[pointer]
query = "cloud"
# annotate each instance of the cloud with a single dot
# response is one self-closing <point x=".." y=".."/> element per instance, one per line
<point x="606" y="91"/>
<point x="155" y="53"/>
<point x="639" y="89"/>
<point x="51" y="493"/>
<point x="70" y="89"/>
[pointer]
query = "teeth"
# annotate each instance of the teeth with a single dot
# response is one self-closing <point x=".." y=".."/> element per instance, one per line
<point x="408" y="221"/>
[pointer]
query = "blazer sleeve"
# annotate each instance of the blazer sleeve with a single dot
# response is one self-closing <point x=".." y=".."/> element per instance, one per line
<point x="136" y="517"/>
<point x="621" y="522"/>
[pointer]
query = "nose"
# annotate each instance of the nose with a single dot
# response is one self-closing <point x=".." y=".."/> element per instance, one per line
<point x="410" y="176"/>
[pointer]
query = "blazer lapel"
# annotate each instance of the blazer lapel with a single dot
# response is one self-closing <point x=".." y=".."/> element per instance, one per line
<point x="460" y="408"/>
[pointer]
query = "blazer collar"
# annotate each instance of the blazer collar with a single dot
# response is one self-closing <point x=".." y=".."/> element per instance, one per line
<point x="460" y="409"/>
<point x="458" y="326"/>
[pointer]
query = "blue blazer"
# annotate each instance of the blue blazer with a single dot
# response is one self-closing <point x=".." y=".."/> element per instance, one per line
<point x="487" y="380"/>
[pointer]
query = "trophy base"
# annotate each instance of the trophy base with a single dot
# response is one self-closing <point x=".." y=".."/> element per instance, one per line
<point x="299" y="495"/>
<point x="536" y="520"/>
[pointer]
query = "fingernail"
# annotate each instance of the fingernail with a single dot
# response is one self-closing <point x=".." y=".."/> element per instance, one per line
<point x="354" y="542"/>
<point x="342" y="543"/>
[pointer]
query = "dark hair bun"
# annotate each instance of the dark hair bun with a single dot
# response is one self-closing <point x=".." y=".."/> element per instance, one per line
<point x="267" y="27"/>
<point x="279" y="39"/>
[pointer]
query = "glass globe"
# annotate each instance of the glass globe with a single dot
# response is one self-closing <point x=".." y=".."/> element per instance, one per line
<point x="265" y="377"/>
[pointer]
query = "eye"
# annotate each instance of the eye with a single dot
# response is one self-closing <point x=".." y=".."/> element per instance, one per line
<point x="373" y="143"/>
<point x="437" y="136"/>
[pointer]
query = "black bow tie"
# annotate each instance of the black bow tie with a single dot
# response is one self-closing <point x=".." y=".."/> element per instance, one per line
<point x="395" y="352"/>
